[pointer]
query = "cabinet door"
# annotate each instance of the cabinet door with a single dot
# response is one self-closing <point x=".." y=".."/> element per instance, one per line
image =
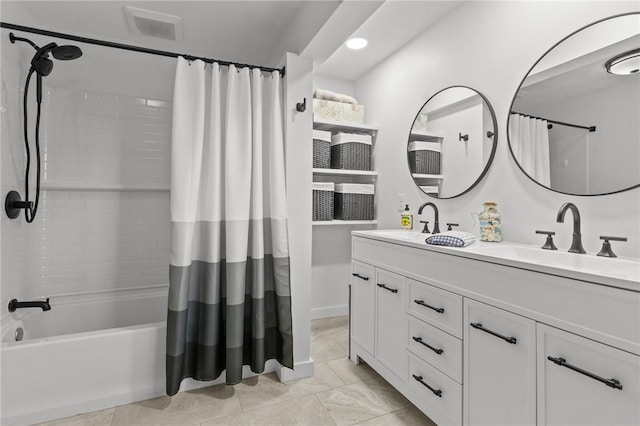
<point x="363" y="305"/>
<point x="499" y="367"/>
<point x="584" y="382"/>
<point x="391" y="322"/>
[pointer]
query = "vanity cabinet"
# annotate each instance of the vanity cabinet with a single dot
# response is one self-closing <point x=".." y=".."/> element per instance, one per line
<point x="585" y="382"/>
<point x="482" y="343"/>
<point x="500" y="366"/>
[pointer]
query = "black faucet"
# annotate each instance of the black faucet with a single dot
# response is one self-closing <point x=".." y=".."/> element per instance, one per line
<point x="436" y="225"/>
<point x="576" y="244"/>
<point x="14" y="304"/>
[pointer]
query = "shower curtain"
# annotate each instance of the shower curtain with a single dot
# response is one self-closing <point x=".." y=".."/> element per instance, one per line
<point x="229" y="292"/>
<point x="530" y="145"/>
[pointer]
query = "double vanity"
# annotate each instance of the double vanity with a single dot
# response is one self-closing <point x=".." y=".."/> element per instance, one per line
<point x="506" y="333"/>
<point x="498" y="333"/>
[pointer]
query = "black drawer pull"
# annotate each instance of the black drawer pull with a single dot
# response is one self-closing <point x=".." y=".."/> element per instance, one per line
<point x="479" y="326"/>
<point x="612" y="383"/>
<point x="419" y="340"/>
<point x="421" y="303"/>
<point x="355" y="274"/>
<point x="392" y="290"/>
<point x="436" y="392"/>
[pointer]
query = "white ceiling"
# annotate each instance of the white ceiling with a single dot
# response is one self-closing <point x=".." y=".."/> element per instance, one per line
<point x="391" y="26"/>
<point x="255" y="32"/>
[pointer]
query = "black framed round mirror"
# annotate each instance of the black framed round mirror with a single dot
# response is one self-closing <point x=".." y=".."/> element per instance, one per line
<point x="452" y="142"/>
<point x="573" y="125"/>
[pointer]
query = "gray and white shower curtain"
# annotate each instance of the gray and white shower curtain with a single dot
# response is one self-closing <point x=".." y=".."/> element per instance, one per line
<point x="229" y="294"/>
<point x="529" y="138"/>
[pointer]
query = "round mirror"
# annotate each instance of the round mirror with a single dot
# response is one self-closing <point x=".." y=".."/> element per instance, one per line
<point x="452" y="142"/>
<point x="574" y="126"/>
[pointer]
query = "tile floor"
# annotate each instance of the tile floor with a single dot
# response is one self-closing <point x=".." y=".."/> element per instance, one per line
<point x="340" y="393"/>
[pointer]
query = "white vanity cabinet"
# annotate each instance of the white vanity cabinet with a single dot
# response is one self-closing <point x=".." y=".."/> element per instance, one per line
<point x="500" y="366"/>
<point x="478" y="342"/>
<point x="584" y="382"/>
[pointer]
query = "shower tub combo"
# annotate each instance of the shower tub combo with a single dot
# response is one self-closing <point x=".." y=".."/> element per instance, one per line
<point x="88" y="352"/>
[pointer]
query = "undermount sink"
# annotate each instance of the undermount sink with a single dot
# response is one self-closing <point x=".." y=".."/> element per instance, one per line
<point x="618" y="271"/>
<point x="618" y="267"/>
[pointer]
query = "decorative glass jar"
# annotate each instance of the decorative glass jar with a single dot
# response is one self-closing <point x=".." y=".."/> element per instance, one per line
<point x="490" y="223"/>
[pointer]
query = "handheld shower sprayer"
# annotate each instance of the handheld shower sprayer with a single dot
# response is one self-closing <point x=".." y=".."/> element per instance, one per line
<point x="42" y="66"/>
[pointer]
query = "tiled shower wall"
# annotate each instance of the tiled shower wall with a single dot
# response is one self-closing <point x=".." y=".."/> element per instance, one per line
<point x="14" y="234"/>
<point x="103" y="220"/>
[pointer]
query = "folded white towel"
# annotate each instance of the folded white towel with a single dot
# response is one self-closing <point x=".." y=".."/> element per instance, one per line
<point x="333" y="96"/>
<point x="451" y="239"/>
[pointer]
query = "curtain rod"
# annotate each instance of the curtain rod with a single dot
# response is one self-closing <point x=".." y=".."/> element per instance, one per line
<point x="132" y="48"/>
<point x="577" y="126"/>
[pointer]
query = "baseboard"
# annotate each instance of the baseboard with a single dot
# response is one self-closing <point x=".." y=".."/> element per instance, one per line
<point x="329" y="311"/>
<point x="301" y="370"/>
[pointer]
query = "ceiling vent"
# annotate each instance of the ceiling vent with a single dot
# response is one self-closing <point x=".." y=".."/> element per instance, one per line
<point x="154" y="24"/>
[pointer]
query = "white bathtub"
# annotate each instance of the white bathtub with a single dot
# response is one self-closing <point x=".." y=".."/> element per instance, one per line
<point x="86" y="353"/>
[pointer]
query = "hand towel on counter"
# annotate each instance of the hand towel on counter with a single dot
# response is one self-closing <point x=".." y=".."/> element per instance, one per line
<point x="451" y="239"/>
<point x="333" y="96"/>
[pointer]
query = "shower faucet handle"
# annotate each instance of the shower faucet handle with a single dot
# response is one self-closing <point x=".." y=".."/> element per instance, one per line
<point x="606" y="251"/>
<point x="548" y="245"/>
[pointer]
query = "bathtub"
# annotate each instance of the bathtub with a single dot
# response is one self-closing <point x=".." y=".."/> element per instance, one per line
<point x="87" y="353"/>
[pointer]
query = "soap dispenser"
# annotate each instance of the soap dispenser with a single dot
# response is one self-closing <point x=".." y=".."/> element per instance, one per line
<point x="406" y="219"/>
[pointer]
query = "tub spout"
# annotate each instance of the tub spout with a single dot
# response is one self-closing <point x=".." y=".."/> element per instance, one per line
<point x="44" y="305"/>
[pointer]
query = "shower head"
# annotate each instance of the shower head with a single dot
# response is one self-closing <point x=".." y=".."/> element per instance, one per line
<point x="41" y="62"/>
<point x="66" y="53"/>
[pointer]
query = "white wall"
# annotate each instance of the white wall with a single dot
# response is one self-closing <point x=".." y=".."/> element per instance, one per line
<point x="489" y="46"/>
<point x="298" y="155"/>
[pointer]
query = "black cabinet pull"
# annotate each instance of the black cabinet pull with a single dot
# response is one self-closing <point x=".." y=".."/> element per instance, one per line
<point x="421" y="303"/>
<point x="612" y="383"/>
<point x="392" y="290"/>
<point x="355" y="274"/>
<point x="419" y="340"/>
<point x="479" y="326"/>
<point x="436" y="392"/>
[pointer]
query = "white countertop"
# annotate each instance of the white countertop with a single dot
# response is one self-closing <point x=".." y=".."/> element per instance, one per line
<point x="621" y="272"/>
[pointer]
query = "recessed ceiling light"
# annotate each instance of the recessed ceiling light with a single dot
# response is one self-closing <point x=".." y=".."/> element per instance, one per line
<point x="625" y="63"/>
<point x="357" y="43"/>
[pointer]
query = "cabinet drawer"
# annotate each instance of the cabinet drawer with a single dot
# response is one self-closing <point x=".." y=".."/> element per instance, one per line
<point x="437" y="307"/>
<point x="592" y="384"/>
<point x="439" y="396"/>
<point x="438" y="348"/>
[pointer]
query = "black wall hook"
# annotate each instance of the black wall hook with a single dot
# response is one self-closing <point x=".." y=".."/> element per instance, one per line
<point x="462" y="137"/>
<point x="302" y="106"/>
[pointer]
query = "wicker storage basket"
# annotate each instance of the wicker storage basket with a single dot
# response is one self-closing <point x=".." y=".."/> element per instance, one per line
<point x="424" y="158"/>
<point x="321" y="149"/>
<point x="323" y="200"/>
<point x="430" y="190"/>
<point x="351" y="151"/>
<point x="353" y="201"/>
